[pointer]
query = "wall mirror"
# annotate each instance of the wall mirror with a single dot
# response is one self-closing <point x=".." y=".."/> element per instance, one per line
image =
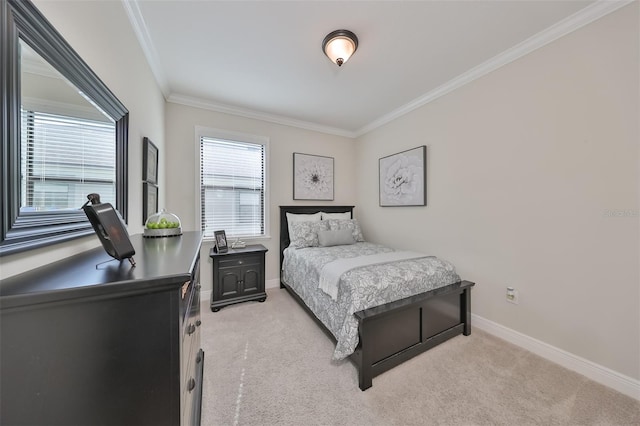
<point x="64" y="135"/>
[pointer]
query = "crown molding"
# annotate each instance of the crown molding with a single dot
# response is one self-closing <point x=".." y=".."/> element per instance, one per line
<point x="257" y="115"/>
<point x="144" y="39"/>
<point x="579" y="19"/>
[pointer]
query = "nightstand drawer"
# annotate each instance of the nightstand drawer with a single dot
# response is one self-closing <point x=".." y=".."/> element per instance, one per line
<point x="240" y="261"/>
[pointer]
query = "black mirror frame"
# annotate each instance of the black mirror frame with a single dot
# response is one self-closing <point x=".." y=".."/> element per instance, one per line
<point x="20" y="19"/>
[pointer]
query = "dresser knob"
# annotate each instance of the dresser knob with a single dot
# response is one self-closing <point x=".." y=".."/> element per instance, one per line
<point x="191" y="385"/>
<point x="198" y="323"/>
<point x="191" y="329"/>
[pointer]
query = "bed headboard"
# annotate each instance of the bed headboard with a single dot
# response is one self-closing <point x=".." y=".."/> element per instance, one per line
<point x="284" y="226"/>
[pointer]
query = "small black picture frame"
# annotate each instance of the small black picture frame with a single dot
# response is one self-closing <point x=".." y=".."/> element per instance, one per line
<point x="149" y="161"/>
<point x="221" y="241"/>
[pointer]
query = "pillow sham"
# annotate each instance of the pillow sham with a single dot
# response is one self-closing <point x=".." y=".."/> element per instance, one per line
<point x="341" y="237"/>
<point x="327" y="216"/>
<point x="305" y="234"/>
<point x="293" y="217"/>
<point x="350" y="224"/>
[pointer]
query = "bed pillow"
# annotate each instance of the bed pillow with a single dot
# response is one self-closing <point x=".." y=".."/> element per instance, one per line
<point x="350" y="224"/>
<point x="292" y="217"/>
<point x="327" y="216"/>
<point x="341" y="237"/>
<point x="305" y="234"/>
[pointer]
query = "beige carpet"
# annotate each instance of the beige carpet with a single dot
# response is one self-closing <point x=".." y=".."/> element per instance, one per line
<point x="270" y="364"/>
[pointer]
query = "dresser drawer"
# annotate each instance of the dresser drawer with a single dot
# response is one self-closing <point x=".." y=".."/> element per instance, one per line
<point x="192" y="390"/>
<point x="191" y="330"/>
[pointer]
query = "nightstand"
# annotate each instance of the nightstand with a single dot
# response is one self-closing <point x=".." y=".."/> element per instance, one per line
<point x="238" y="276"/>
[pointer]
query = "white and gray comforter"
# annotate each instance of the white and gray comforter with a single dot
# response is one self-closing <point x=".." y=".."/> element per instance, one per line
<point x="359" y="288"/>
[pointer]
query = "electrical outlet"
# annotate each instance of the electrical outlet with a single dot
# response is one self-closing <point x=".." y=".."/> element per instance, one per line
<point x="512" y="295"/>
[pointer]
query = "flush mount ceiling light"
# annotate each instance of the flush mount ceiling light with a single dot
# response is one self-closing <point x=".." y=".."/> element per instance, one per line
<point x="339" y="45"/>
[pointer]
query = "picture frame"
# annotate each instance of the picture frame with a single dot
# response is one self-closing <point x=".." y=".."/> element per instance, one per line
<point x="149" y="161"/>
<point x="149" y="200"/>
<point x="403" y="178"/>
<point x="221" y="241"/>
<point x="312" y="177"/>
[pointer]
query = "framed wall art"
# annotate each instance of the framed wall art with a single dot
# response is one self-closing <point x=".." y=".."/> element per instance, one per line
<point x="149" y="200"/>
<point x="403" y="178"/>
<point x="312" y="177"/>
<point x="149" y="161"/>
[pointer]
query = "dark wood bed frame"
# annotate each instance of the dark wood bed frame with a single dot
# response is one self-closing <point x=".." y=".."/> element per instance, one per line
<point x="392" y="333"/>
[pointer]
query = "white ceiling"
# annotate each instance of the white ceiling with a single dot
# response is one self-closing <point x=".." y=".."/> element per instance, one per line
<point x="263" y="59"/>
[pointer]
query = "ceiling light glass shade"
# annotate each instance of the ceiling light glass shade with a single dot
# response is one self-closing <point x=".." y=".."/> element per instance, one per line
<point x="339" y="45"/>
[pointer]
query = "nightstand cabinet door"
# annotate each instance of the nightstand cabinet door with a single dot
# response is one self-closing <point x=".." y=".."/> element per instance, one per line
<point x="238" y="276"/>
<point x="229" y="283"/>
<point x="252" y="280"/>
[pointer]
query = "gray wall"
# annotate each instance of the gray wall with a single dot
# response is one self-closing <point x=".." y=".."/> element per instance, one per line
<point x="524" y="167"/>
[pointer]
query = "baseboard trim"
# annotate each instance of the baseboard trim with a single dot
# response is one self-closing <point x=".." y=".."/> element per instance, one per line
<point x="274" y="283"/>
<point x="598" y="373"/>
<point x="205" y="296"/>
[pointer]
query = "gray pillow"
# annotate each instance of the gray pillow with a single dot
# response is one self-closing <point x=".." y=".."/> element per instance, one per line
<point x="350" y="224"/>
<point x="335" y="238"/>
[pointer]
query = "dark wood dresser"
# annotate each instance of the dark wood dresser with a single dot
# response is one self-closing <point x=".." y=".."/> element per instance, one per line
<point x="238" y="276"/>
<point x="90" y="340"/>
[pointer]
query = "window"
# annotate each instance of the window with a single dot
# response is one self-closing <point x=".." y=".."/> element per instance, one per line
<point x="63" y="159"/>
<point x="233" y="184"/>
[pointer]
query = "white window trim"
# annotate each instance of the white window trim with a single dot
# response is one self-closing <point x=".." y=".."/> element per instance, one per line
<point x="211" y="132"/>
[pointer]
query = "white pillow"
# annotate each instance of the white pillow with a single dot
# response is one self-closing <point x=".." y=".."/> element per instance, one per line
<point x="326" y="216"/>
<point x="340" y="237"/>
<point x="291" y="217"/>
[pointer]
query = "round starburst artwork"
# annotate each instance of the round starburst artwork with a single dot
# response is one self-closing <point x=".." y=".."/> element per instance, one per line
<point x="312" y="177"/>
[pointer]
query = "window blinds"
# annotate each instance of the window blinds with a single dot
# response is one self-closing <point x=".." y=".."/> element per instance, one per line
<point x="63" y="159"/>
<point x="232" y="182"/>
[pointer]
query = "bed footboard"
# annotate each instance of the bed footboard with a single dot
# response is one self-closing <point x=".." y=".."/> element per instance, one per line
<point x="397" y="331"/>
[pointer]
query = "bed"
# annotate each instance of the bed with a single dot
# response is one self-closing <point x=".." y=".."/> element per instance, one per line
<point x="389" y="333"/>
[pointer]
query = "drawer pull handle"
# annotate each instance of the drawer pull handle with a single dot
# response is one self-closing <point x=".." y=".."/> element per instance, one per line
<point x="191" y="329"/>
<point x="192" y="384"/>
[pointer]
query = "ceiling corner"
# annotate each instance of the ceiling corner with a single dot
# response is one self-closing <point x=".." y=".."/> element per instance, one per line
<point x="144" y="39"/>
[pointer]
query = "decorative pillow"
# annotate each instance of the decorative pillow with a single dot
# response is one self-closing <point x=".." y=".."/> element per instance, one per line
<point x="291" y="218"/>
<point x="327" y="216"/>
<point x="305" y="234"/>
<point x="340" y="237"/>
<point x="350" y="224"/>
